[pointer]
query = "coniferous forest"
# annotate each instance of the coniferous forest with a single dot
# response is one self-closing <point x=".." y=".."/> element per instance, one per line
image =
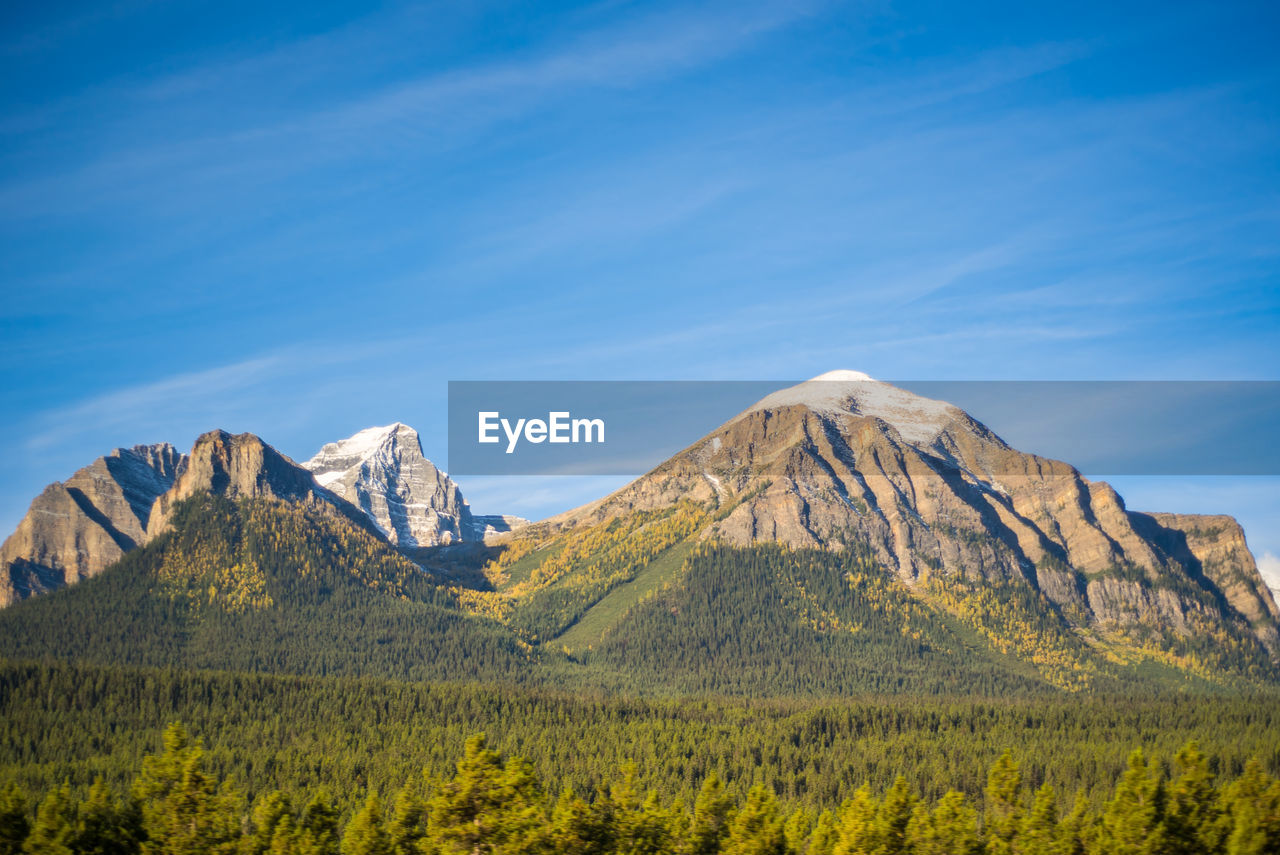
<point x="332" y="699"/>
<point x="176" y="805"/>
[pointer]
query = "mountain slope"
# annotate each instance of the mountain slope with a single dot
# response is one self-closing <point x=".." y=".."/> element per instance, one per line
<point x="934" y="492"/>
<point x="262" y="584"/>
<point x="75" y="529"/>
<point x="839" y="537"/>
<point x="241" y="466"/>
<point x="382" y="471"/>
<point x="1022" y="553"/>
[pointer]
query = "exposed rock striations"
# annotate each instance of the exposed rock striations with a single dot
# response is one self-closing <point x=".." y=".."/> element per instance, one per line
<point x="844" y="459"/>
<point x="74" y="529"/>
<point x="383" y="471"/>
<point x="240" y="466"/>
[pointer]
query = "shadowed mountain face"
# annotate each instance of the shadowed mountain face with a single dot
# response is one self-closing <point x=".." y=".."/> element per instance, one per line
<point x="843" y="460"/>
<point x="75" y="529"/>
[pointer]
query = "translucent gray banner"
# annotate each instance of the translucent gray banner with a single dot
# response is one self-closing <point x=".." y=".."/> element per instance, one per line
<point x="1100" y="427"/>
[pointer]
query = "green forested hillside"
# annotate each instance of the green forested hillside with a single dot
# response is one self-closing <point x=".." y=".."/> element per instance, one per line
<point x="642" y="603"/>
<point x="637" y="604"/>
<point x="335" y="684"/>
<point x="303" y="733"/>
<point x="264" y="585"/>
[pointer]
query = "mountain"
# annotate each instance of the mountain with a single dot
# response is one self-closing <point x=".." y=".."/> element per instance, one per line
<point x="843" y="459"/>
<point x="1022" y="551"/>
<point x="257" y="583"/>
<point x="241" y="466"/>
<point x="839" y="537"/>
<point x="75" y="529"/>
<point x="378" y="478"/>
<point x="383" y="471"/>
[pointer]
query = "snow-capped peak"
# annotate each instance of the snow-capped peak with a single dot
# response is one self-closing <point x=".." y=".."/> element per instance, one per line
<point x="843" y="375"/>
<point x="844" y="392"/>
<point x="382" y="470"/>
<point x="335" y="458"/>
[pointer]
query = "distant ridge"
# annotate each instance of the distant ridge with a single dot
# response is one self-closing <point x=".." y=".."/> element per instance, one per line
<point x="379" y="479"/>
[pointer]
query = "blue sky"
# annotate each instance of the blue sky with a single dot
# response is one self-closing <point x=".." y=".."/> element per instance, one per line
<point x="301" y="219"/>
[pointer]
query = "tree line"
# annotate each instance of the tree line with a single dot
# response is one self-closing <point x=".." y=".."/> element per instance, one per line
<point x="302" y="734"/>
<point x="489" y="804"/>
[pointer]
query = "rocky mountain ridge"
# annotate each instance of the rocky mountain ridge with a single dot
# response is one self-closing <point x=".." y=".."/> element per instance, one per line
<point x="844" y="460"/>
<point x="75" y="529"/>
<point x="383" y="471"/>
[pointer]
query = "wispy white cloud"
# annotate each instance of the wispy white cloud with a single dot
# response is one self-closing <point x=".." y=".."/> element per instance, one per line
<point x="250" y="392"/>
<point x="154" y="402"/>
<point x="438" y="110"/>
<point x="640" y="52"/>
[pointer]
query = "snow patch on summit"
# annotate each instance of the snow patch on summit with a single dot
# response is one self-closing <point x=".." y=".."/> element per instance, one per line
<point x="414" y="504"/>
<point x="839" y="393"/>
<point x="382" y="471"/>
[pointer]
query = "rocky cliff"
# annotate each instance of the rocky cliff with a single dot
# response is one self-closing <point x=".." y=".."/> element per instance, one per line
<point x="378" y="478"/>
<point x="74" y="529"/>
<point x="241" y="466"/>
<point x="383" y="471"/>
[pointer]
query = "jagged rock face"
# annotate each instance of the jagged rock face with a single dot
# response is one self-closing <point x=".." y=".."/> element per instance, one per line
<point x="383" y="471"/>
<point x="75" y="529"/>
<point x="1213" y="546"/>
<point x="931" y="490"/>
<point x="238" y="466"/>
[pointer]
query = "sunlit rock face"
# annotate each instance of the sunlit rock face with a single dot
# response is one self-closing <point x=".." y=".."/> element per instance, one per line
<point x="76" y="528"/>
<point x="383" y="471"/>
<point x="843" y="458"/>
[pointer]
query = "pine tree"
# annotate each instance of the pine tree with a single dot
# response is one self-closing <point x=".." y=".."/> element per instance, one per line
<point x="407" y="824"/>
<point x="271" y="823"/>
<point x="856" y="827"/>
<point x="951" y="828"/>
<point x="184" y="811"/>
<point x="366" y="834"/>
<point x="1192" y="814"/>
<point x="637" y="826"/>
<point x="488" y="806"/>
<point x="796" y="829"/>
<point x="1076" y="830"/>
<point x="577" y="828"/>
<point x="54" y="830"/>
<point x="710" y="818"/>
<point x="105" y="825"/>
<point x="1252" y="806"/>
<point x="14" y="825"/>
<point x="892" y="818"/>
<point x="825" y="835"/>
<point x="317" y="829"/>
<point x="1004" y="805"/>
<point x="757" y="827"/>
<point x="1039" y="832"/>
<point x="1133" y="821"/>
